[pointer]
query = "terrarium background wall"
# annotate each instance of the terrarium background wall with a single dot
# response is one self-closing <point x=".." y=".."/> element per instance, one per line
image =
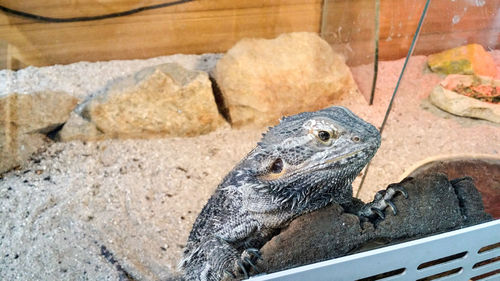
<point x="453" y="23"/>
<point x="209" y="26"/>
<point x="194" y="27"/>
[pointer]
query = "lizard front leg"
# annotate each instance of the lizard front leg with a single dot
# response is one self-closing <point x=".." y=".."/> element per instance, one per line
<point x="225" y="255"/>
<point x="210" y="260"/>
<point x="241" y="238"/>
<point x="383" y="199"/>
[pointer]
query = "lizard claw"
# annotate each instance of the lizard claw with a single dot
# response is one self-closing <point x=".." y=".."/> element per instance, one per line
<point x="255" y="252"/>
<point x="382" y="200"/>
<point x="229" y="273"/>
<point x="245" y="264"/>
<point x="249" y="258"/>
<point x="243" y="269"/>
<point x="396" y="187"/>
<point x="392" y="206"/>
<point x="248" y="261"/>
<point x="378" y="212"/>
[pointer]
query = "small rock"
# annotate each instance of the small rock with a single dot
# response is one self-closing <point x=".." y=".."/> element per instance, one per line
<point x="16" y="151"/>
<point x="262" y="80"/>
<point x="468" y="59"/>
<point x="166" y="99"/>
<point x="24" y="121"/>
<point x="461" y="105"/>
<point x="40" y="112"/>
<point x="78" y="128"/>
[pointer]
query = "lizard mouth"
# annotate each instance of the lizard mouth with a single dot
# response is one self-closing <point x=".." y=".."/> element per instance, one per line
<point x="292" y="172"/>
<point x="338" y="158"/>
<point x="325" y="164"/>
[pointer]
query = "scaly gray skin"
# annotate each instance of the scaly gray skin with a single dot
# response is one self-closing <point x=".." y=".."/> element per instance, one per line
<point x="306" y="162"/>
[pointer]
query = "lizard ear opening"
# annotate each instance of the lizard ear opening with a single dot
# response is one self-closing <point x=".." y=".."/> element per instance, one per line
<point x="277" y="166"/>
<point x="275" y="171"/>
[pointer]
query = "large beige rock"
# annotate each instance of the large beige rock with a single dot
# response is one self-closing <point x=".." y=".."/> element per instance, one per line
<point x="262" y="80"/>
<point x="461" y="105"/>
<point x="166" y="99"/>
<point x="25" y="118"/>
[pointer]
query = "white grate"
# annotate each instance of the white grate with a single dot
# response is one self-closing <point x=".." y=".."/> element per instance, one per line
<point x="464" y="254"/>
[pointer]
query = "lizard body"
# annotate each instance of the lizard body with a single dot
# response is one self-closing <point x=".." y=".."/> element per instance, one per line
<point x="302" y="164"/>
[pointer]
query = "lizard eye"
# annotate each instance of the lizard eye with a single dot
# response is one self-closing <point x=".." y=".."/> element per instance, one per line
<point x="277" y="166"/>
<point x="324" y="135"/>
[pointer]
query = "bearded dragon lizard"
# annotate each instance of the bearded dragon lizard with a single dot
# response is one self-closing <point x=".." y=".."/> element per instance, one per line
<point x="304" y="163"/>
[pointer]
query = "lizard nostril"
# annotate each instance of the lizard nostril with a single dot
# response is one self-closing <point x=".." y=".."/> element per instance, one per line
<point x="356" y="139"/>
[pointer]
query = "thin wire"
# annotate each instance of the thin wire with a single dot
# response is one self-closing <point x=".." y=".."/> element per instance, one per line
<point x="91" y="18"/>
<point x="410" y="52"/>
<point x="375" y="61"/>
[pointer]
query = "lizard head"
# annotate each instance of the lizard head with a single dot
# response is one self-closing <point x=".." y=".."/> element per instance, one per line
<point x="311" y="159"/>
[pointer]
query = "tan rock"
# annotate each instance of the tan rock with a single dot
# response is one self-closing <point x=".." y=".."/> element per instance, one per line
<point x="262" y="80"/>
<point x="166" y="99"/>
<point x="461" y="105"/>
<point x="78" y="128"/>
<point x="468" y="59"/>
<point x="38" y="112"/>
<point x="25" y="118"/>
<point x="16" y="151"/>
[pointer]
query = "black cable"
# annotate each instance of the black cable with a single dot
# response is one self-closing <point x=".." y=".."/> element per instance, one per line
<point x="398" y="83"/>
<point x="375" y="55"/>
<point x="92" y="18"/>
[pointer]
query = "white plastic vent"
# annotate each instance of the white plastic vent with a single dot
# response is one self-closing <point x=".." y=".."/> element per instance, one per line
<point x="471" y="253"/>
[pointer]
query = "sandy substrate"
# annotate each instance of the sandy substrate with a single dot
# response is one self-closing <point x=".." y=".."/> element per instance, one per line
<point x="116" y="209"/>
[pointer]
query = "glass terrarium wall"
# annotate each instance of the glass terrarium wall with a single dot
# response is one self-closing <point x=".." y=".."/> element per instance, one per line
<point x="367" y="31"/>
<point x="454" y="23"/>
<point x="81" y="165"/>
<point x="353" y="32"/>
<point x="445" y="106"/>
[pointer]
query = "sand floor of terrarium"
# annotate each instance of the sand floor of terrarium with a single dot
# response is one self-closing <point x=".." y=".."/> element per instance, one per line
<point x="139" y="198"/>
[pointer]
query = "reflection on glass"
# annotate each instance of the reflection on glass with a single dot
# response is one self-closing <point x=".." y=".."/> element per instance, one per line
<point x="354" y="34"/>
